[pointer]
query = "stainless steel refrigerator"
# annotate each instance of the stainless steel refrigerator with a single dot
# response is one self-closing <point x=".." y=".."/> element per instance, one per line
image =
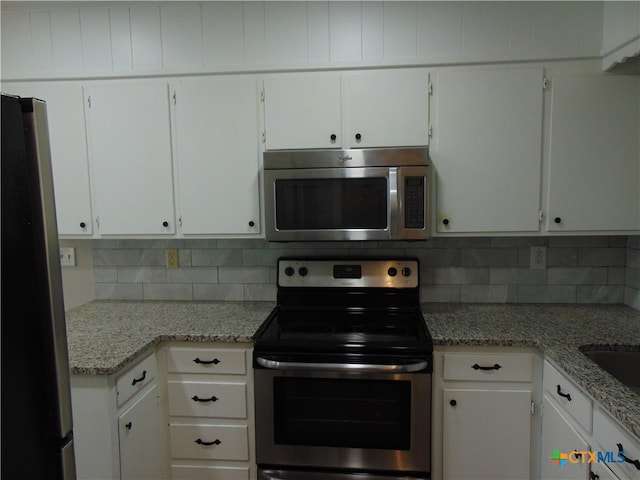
<point x="37" y="435"/>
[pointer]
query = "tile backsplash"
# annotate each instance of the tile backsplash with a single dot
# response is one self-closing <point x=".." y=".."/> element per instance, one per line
<point x="595" y="269"/>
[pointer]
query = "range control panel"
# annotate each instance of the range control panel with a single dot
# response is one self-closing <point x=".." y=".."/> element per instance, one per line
<point x="402" y="273"/>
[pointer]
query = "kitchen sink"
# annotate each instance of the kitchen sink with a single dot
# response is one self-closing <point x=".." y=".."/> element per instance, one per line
<point x="624" y="365"/>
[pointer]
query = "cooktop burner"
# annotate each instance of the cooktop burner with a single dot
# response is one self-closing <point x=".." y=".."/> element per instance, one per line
<point x="349" y="306"/>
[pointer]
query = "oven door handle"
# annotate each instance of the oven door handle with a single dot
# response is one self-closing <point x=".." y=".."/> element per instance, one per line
<point x="351" y="367"/>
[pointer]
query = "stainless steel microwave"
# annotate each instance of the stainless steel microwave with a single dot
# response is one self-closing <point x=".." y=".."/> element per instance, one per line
<point x="368" y="194"/>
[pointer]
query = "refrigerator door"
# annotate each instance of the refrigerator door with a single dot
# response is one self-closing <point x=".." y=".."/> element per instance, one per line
<point x="37" y="438"/>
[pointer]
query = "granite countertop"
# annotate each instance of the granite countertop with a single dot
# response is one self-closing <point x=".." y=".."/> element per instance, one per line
<point x="105" y="336"/>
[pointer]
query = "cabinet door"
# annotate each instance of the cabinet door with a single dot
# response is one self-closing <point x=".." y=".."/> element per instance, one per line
<point x="559" y="435"/>
<point x="217" y="156"/>
<point x="594" y="154"/>
<point x="303" y="112"/>
<point x="486" y="434"/>
<point x="486" y="150"/>
<point x="140" y="445"/>
<point x="68" y="139"/>
<point x="130" y="154"/>
<point x="388" y="109"/>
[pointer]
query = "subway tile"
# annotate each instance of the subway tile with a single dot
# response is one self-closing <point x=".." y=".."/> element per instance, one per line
<point x="439" y="257"/>
<point x="602" y="257"/>
<point x="579" y="241"/>
<point x="262" y="257"/>
<point x="518" y="242"/>
<point x="562" y="257"/>
<point x="460" y="242"/>
<point x="167" y="291"/>
<point x="132" y="243"/>
<point x="440" y="293"/>
<point x="633" y="241"/>
<point x="600" y="294"/>
<point x="119" y="291"/>
<point x="153" y="257"/>
<point x="616" y="276"/>
<point x="214" y="258"/>
<point x="260" y="293"/>
<point x="192" y="275"/>
<point x="618" y="241"/>
<point x="632" y="297"/>
<point x="115" y="257"/>
<point x="460" y="275"/>
<point x="184" y="257"/>
<point x="488" y="294"/>
<point x="176" y="243"/>
<point x="101" y="244"/>
<point x="201" y="243"/>
<point x="578" y="276"/>
<point x="242" y="243"/>
<point x="632" y="278"/>
<point x="633" y="259"/>
<point x="243" y="274"/>
<point x="546" y="294"/>
<point x="490" y="257"/>
<point x="105" y="274"/>
<point x="142" y="274"/>
<point x="218" y="292"/>
<point x="517" y="276"/>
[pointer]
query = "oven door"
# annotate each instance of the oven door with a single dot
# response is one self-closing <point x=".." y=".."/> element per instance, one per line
<point x="342" y="417"/>
<point x="331" y="203"/>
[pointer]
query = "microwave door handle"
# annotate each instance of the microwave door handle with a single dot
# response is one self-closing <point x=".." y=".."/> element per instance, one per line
<point x="394" y="199"/>
<point x="351" y="367"/>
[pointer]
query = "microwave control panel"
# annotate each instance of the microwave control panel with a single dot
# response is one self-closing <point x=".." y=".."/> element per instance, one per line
<point x="414" y="202"/>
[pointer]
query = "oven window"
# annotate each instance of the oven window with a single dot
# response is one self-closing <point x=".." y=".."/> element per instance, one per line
<point x="342" y="413"/>
<point x="331" y="203"/>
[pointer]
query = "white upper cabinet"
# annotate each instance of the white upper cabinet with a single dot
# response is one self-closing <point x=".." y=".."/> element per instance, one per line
<point x="303" y="112"/>
<point x="130" y="154"/>
<point x="65" y="113"/>
<point x="360" y="110"/>
<point x="388" y="109"/>
<point x="216" y="140"/>
<point x="594" y="154"/>
<point x="486" y="149"/>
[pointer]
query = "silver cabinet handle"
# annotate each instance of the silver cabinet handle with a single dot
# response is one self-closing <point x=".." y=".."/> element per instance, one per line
<point x="358" y="367"/>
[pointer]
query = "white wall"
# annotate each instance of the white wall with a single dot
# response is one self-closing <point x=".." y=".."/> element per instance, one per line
<point x="85" y="39"/>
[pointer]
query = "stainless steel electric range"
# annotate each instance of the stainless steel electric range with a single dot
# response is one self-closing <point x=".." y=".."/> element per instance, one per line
<point x="343" y="370"/>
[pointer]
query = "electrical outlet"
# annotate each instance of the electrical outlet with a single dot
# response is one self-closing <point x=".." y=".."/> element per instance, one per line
<point x="68" y="256"/>
<point x="538" y="259"/>
<point x="172" y="258"/>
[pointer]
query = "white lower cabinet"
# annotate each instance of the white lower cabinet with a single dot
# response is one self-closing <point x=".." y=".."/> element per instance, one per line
<point x="487" y="401"/>
<point x="559" y="440"/>
<point x="139" y="431"/>
<point x="211" y="416"/>
<point x="573" y="423"/>
<point x="117" y="420"/>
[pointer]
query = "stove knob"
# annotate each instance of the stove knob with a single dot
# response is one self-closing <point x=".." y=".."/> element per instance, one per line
<point x="289" y="271"/>
<point x="303" y="271"/>
<point x="406" y="272"/>
<point x="392" y="271"/>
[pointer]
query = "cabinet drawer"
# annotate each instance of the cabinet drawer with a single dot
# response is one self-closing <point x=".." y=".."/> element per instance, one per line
<point x="189" y="472"/>
<point x="566" y="394"/>
<point x="608" y="434"/>
<point x="488" y="367"/>
<point x="217" y="442"/>
<point x="208" y="399"/>
<point x="206" y="360"/>
<point x="135" y="379"/>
